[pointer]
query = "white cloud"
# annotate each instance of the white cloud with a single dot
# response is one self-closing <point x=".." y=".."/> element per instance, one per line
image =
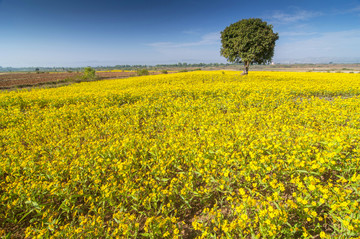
<point x="281" y="17"/>
<point x="206" y="49"/>
<point x="329" y="44"/>
<point x="207" y="39"/>
<point x="191" y="32"/>
<point x="354" y="9"/>
<point x="297" y="33"/>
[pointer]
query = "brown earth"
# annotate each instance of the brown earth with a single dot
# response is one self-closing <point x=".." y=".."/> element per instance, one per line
<point x="12" y="80"/>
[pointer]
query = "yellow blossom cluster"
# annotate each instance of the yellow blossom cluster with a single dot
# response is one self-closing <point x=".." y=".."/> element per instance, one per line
<point x="198" y="154"/>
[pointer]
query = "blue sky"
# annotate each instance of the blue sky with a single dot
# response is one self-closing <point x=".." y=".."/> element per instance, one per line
<point x="109" y="32"/>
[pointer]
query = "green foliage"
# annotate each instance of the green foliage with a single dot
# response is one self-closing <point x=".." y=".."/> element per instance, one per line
<point x="248" y="41"/>
<point x="164" y="71"/>
<point x="142" y="72"/>
<point x="89" y="74"/>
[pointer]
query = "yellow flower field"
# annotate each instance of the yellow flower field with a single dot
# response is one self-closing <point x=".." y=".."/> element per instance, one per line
<point x="200" y="154"/>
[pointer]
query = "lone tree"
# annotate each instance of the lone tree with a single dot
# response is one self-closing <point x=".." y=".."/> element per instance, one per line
<point x="248" y="41"/>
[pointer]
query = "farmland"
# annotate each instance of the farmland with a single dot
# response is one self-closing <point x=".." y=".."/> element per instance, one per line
<point x="17" y="79"/>
<point x="197" y="154"/>
<point x="22" y="80"/>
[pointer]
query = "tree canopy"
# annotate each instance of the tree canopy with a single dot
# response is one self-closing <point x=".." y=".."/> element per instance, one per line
<point x="248" y="41"/>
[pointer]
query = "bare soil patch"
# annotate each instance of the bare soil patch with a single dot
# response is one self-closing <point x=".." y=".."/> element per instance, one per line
<point x="19" y="80"/>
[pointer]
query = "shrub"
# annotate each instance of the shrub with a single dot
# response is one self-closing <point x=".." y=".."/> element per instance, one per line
<point x="164" y="71"/>
<point x="142" y="72"/>
<point x="89" y="74"/>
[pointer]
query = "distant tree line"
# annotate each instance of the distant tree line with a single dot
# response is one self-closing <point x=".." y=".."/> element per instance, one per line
<point x="41" y="69"/>
<point x="162" y="66"/>
<point x="116" y="67"/>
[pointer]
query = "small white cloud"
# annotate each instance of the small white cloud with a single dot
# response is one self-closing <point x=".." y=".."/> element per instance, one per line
<point x="340" y="44"/>
<point x="191" y="32"/>
<point x="206" y="49"/>
<point x="210" y="39"/>
<point x="161" y="44"/>
<point x="349" y="9"/>
<point x="355" y="9"/>
<point x="297" y="33"/>
<point x="207" y="39"/>
<point x="298" y="15"/>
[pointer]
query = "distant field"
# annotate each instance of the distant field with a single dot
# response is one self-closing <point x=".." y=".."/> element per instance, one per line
<point x="333" y="68"/>
<point x="21" y="80"/>
<point x="330" y="68"/>
<point x="205" y="154"/>
<point x="27" y="80"/>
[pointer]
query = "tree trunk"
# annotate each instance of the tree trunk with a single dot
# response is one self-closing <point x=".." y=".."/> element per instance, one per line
<point x="246" y="68"/>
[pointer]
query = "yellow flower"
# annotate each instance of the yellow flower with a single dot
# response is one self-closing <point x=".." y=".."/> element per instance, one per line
<point x="144" y="148"/>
